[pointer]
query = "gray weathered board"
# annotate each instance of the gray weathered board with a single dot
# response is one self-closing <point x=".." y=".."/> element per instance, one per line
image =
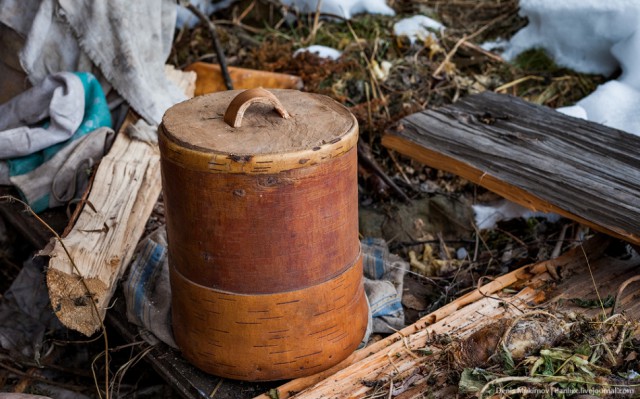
<point x="532" y="155"/>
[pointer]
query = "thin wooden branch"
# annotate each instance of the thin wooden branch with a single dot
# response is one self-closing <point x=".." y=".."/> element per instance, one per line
<point x="222" y="60"/>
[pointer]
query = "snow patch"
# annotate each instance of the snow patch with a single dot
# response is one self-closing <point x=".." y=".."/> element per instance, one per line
<point x="578" y="34"/>
<point x="614" y="104"/>
<point x="417" y="27"/>
<point x="495" y="45"/>
<point x="575" y="110"/>
<point x="341" y="8"/>
<point x="321" y="51"/>
<point x="487" y="216"/>
<point x="590" y="36"/>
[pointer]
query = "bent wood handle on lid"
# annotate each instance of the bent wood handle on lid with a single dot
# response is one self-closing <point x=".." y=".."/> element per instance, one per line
<point x="238" y="106"/>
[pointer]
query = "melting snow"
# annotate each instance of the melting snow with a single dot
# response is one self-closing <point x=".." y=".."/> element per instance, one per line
<point x="321" y="51"/>
<point x="590" y="36"/>
<point x="417" y="28"/>
<point x="342" y="8"/>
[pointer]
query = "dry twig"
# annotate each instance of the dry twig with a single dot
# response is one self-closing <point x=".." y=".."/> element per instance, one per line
<point x="103" y="330"/>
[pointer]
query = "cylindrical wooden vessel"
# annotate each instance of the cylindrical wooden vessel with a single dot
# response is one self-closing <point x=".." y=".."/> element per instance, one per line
<point x="266" y="271"/>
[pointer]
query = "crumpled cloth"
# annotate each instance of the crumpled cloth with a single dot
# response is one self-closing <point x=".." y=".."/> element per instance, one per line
<point x="59" y="97"/>
<point x="126" y="42"/>
<point x="66" y="175"/>
<point x="60" y="150"/>
<point x="383" y="283"/>
<point x="143" y="131"/>
<point x="147" y="289"/>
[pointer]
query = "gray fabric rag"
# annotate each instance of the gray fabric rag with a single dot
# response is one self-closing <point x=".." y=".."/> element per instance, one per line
<point x="128" y="42"/>
<point x="143" y="131"/>
<point x="384" y="276"/>
<point x="67" y="173"/>
<point x="58" y="97"/>
<point x="147" y="290"/>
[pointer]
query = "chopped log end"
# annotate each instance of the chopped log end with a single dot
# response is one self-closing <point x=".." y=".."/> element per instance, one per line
<point x="71" y="301"/>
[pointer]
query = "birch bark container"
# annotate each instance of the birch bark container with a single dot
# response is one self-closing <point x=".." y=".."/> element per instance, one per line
<point x="260" y="191"/>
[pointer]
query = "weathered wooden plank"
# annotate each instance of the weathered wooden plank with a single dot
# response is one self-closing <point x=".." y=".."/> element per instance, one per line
<point x="396" y="361"/>
<point x="534" y="156"/>
<point x="101" y="243"/>
<point x="126" y="186"/>
<point x="594" y="248"/>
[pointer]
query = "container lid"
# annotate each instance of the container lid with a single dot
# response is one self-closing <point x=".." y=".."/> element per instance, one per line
<point x="256" y="131"/>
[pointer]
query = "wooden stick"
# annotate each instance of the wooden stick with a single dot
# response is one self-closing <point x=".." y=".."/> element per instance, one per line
<point x="482" y="51"/>
<point x="222" y="60"/>
<point x="101" y="243"/>
<point x="369" y="162"/>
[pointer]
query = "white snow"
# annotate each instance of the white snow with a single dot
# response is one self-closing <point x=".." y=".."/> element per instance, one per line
<point x="632" y="375"/>
<point x="592" y="36"/>
<point x="574" y="110"/>
<point x="461" y="253"/>
<point x="615" y="104"/>
<point x="486" y="216"/>
<point x="321" y="51"/>
<point x="341" y="8"/>
<point x="495" y="45"/>
<point x="417" y="27"/>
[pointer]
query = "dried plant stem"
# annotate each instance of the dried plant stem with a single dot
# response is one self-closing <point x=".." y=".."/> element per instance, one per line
<point x="465" y="38"/>
<point x="482" y="51"/>
<point x="34" y="377"/>
<point x="558" y="248"/>
<point x="595" y="286"/>
<point x="215" y="390"/>
<point x="10" y="198"/>
<point x="316" y="23"/>
<point x="119" y="375"/>
<point x="621" y="289"/>
<point x="516" y="82"/>
<point x="222" y="60"/>
<point x="398" y="167"/>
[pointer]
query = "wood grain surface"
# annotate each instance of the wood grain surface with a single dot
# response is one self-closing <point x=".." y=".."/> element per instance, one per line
<point x="102" y="241"/>
<point x="569" y="261"/>
<point x="534" y="156"/>
<point x="583" y="272"/>
<point x="194" y="134"/>
<point x="210" y="78"/>
<point x="257" y="234"/>
<point x="273" y="336"/>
